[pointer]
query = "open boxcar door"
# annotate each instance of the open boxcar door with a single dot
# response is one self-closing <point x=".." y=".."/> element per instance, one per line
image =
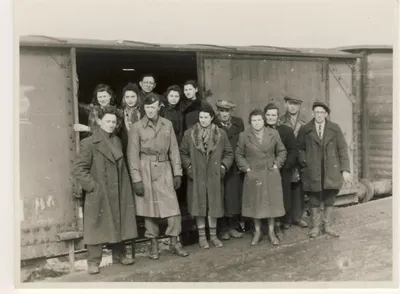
<point x="47" y="146"/>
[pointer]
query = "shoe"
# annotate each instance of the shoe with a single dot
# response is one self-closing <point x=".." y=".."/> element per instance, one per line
<point x="126" y="260"/>
<point x="93" y="269"/>
<point x="153" y="254"/>
<point x="286" y="226"/>
<point x="301" y="224"/>
<point x="315" y="222"/>
<point x="235" y="234"/>
<point x="328" y="220"/>
<point x="176" y="247"/>
<point x="273" y="239"/>
<point x="256" y="238"/>
<point x="225" y="236"/>
<point x="214" y="239"/>
<point x="278" y="233"/>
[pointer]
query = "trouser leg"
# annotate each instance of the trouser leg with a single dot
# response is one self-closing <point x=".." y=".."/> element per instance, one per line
<point x="315" y="209"/>
<point x="297" y="209"/>
<point x="329" y="197"/>
<point x="174" y="226"/>
<point x="201" y="227"/>
<point x="94" y="254"/>
<point x="152" y="228"/>
<point x="212" y="224"/>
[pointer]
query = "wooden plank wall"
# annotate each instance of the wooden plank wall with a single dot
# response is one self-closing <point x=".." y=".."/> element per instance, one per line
<point x="252" y="83"/>
<point x="379" y="100"/>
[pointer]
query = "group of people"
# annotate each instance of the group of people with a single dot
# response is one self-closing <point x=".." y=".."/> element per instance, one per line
<point x="140" y="156"/>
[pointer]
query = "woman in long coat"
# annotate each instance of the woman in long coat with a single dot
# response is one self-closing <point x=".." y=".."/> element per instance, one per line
<point x="206" y="156"/>
<point x="109" y="206"/>
<point x="171" y="110"/>
<point x="260" y="153"/>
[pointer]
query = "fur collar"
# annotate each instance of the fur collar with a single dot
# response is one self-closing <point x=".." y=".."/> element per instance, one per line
<point x="215" y="138"/>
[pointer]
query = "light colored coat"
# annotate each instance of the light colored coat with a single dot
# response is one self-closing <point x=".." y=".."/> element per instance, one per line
<point x="147" y="139"/>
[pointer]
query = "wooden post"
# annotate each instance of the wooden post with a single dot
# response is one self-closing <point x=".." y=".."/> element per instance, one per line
<point x="362" y="70"/>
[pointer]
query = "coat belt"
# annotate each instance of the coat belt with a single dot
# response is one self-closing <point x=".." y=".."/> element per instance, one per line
<point x="159" y="158"/>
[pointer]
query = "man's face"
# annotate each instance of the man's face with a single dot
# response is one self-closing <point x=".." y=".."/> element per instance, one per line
<point x="292" y="107"/>
<point x="108" y="123"/>
<point x="224" y="114"/>
<point x="148" y="84"/>
<point x="319" y="114"/>
<point x="271" y="116"/>
<point x="152" y="110"/>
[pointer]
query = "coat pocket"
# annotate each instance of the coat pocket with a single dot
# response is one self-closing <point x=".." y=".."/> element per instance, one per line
<point x="156" y="171"/>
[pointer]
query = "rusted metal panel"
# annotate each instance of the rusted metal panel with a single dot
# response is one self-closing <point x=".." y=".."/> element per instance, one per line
<point x="254" y="83"/>
<point x="343" y="104"/>
<point x="47" y="150"/>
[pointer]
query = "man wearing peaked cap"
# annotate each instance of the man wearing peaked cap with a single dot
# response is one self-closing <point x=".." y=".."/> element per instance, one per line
<point x="233" y="181"/>
<point x="294" y="119"/>
<point x="323" y="155"/>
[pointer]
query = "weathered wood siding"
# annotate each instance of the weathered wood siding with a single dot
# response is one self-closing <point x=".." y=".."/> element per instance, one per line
<point x="378" y="91"/>
<point x="253" y="82"/>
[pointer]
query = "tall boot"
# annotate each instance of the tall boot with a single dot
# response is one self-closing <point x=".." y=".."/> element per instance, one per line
<point x="214" y="239"/>
<point x="328" y="221"/>
<point x="315" y="222"/>
<point x="119" y="254"/>
<point x="176" y="247"/>
<point x="153" y="254"/>
<point x="203" y="243"/>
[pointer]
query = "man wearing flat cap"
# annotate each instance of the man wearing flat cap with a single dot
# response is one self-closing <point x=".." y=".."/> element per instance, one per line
<point x="325" y="166"/>
<point x="294" y="119"/>
<point x="156" y="171"/>
<point x="233" y="181"/>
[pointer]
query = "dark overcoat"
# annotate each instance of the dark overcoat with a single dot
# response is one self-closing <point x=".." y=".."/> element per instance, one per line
<point x="332" y="149"/>
<point x="190" y="110"/>
<point x="174" y="115"/>
<point x="262" y="188"/>
<point x="109" y="208"/>
<point x="289" y="141"/>
<point x="205" y="187"/>
<point x="233" y="180"/>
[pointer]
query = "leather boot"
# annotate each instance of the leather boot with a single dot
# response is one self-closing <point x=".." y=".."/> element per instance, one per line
<point x="235" y="234"/>
<point x="176" y="247"/>
<point x="315" y="222"/>
<point x="119" y="255"/>
<point x="203" y="243"/>
<point x="225" y="236"/>
<point x="214" y="239"/>
<point x="153" y="254"/>
<point x="328" y="221"/>
<point x="93" y="268"/>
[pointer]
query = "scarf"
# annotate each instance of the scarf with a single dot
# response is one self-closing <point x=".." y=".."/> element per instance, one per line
<point x="206" y="139"/>
<point x="131" y="115"/>
<point x="227" y="124"/>
<point x="259" y="134"/>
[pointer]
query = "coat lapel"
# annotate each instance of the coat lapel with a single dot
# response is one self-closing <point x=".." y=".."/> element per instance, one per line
<point x="102" y="147"/>
<point x="329" y="134"/>
<point x="253" y="139"/>
<point x="310" y="128"/>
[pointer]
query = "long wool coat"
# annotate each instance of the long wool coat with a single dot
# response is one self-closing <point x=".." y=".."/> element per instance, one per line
<point x="262" y="191"/>
<point x="109" y="208"/>
<point x="205" y="187"/>
<point x="289" y="141"/>
<point x="147" y="139"/>
<point x="233" y="180"/>
<point x="174" y="114"/>
<point x="332" y="149"/>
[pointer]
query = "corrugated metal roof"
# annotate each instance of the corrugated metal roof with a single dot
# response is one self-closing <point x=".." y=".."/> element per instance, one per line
<point x="47" y="41"/>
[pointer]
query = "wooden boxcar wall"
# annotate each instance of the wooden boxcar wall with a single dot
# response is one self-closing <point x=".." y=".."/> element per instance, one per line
<point x="378" y="95"/>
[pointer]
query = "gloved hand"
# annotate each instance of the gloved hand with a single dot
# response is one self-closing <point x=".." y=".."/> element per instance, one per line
<point x="138" y="188"/>
<point x="177" y="182"/>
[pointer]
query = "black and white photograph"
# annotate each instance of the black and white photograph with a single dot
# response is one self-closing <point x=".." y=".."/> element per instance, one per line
<point x="196" y="142"/>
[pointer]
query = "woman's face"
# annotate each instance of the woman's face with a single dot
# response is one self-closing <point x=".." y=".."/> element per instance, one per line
<point x="257" y="122"/>
<point x="130" y="98"/>
<point x="103" y="98"/>
<point x="271" y="116"/>
<point x="205" y="119"/>
<point x="108" y="123"/>
<point x="173" y="97"/>
<point x="190" y="91"/>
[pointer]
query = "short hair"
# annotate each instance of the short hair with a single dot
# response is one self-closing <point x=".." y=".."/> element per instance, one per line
<point x="175" y="88"/>
<point x="102" y="88"/>
<point x="151" y="98"/>
<point x="110" y="109"/>
<point x="207" y="108"/>
<point x="256" y="112"/>
<point x="270" y="106"/>
<point x="146" y="75"/>
<point x="191" y="82"/>
<point x="130" y="87"/>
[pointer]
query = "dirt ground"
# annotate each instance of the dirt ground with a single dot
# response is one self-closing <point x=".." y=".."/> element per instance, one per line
<point x="363" y="252"/>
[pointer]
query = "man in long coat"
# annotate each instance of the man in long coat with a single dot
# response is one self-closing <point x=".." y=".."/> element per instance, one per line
<point x="294" y="119"/>
<point x="325" y="166"/>
<point x="206" y="157"/>
<point x="233" y="180"/>
<point x="109" y="207"/>
<point x="156" y="171"/>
